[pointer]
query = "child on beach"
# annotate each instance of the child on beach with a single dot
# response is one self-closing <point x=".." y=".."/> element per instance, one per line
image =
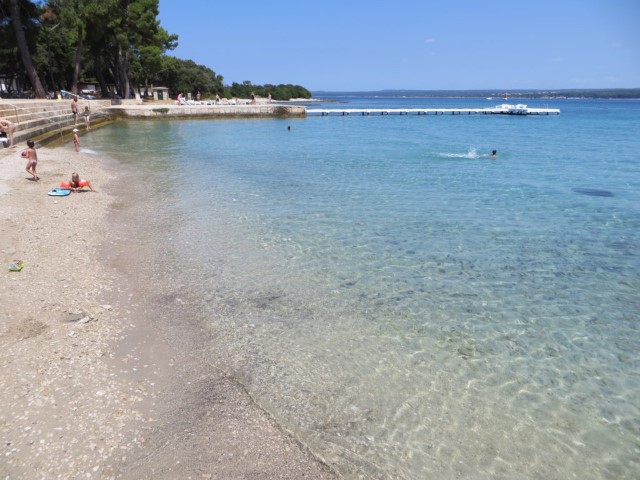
<point x="87" y="118"/>
<point x="32" y="159"/>
<point x="76" y="184"/>
<point x="76" y="140"/>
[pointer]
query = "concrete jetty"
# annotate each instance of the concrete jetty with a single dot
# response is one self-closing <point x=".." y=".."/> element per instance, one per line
<point x="498" y="110"/>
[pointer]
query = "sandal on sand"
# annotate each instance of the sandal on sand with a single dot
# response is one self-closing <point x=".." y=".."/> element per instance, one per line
<point x="16" y="266"/>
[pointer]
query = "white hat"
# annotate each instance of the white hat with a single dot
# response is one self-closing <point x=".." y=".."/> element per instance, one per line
<point x="76" y="130"/>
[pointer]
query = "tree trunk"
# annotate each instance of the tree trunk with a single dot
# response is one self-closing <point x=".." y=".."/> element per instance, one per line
<point x="21" y="40"/>
<point x="121" y="67"/>
<point x="76" y="66"/>
<point x="99" y="75"/>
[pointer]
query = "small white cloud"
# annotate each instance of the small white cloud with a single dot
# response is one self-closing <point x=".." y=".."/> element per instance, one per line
<point x="430" y="40"/>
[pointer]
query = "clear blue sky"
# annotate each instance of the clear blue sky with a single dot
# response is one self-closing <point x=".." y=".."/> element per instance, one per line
<point x="412" y="44"/>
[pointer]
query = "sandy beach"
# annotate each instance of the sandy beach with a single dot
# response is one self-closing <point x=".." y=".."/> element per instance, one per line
<point x="89" y="387"/>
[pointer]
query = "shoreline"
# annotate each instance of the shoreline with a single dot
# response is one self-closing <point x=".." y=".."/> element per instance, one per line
<point x="91" y="387"/>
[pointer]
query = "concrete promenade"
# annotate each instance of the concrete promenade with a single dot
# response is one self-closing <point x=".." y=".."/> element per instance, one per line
<point x="167" y="110"/>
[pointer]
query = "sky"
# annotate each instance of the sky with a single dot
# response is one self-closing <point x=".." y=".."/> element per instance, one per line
<point x="368" y="45"/>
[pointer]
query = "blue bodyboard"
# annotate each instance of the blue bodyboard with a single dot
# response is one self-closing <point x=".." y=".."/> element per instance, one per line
<point x="59" y="192"/>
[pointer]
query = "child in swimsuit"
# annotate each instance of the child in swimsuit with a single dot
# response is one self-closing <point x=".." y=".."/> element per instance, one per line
<point x="32" y="159"/>
<point x="87" y="118"/>
<point x="76" y="140"/>
<point x="76" y="184"/>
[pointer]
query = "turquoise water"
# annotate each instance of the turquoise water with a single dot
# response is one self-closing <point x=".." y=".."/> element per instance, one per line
<point x="408" y="307"/>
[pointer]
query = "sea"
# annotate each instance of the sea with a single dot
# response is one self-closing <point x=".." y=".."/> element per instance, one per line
<point x="406" y="305"/>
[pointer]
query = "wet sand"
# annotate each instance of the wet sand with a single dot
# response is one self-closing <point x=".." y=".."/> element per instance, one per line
<point x="90" y="386"/>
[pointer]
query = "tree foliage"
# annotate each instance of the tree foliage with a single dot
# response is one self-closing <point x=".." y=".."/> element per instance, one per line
<point x="19" y="18"/>
<point x="278" y="92"/>
<point x="119" y="44"/>
<point x="187" y="76"/>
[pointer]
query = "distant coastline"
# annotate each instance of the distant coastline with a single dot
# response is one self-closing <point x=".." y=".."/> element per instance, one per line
<point x="611" y="93"/>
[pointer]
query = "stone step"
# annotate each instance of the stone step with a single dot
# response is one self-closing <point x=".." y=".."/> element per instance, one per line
<point x="48" y="132"/>
<point x="20" y="111"/>
<point x="44" y="121"/>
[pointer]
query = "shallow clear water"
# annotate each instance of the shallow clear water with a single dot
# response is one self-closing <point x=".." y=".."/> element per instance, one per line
<point x="407" y="306"/>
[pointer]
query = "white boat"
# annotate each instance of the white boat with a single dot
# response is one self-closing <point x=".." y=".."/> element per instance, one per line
<point x="518" y="109"/>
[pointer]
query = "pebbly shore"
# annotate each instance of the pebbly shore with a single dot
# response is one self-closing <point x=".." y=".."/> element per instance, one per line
<point x="89" y="387"/>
